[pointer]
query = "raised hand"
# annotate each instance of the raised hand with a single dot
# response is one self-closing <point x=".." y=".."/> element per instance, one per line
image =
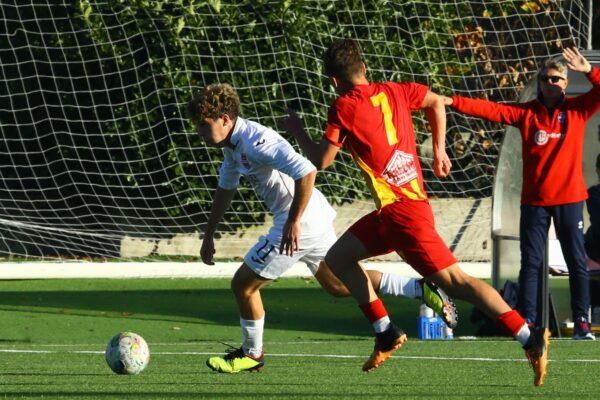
<point x="292" y="124"/>
<point x="575" y="61"/>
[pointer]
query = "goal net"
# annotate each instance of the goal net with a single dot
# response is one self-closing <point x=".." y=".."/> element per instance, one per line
<point x="98" y="160"/>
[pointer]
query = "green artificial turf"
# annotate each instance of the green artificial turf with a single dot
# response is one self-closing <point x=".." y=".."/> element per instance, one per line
<point x="53" y="334"/>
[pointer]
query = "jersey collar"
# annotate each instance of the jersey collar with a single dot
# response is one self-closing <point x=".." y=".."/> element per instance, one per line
<point x="240" y="126"/>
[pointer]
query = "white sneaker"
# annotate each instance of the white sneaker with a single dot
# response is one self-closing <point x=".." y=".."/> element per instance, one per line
<point x="583" y="330"/>
<point x="584" y="336"/>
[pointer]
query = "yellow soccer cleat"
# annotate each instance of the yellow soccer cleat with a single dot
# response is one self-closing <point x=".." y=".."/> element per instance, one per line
<point x="436" y="299"/>
<point x="235" y="361"/>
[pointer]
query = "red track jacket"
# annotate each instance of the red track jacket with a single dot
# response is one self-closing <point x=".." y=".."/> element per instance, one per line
<point x="552" y="145"/>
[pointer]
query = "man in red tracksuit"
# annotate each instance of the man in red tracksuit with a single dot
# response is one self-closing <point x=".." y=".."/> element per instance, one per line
<point x="552" y="129"/>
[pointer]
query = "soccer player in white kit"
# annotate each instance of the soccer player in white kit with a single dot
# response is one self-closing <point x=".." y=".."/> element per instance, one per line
<point x="302" y="220"/>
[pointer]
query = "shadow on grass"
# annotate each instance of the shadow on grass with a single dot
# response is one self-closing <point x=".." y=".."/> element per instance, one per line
<point x="305" y="309"/>
<point x="293" y="305"/>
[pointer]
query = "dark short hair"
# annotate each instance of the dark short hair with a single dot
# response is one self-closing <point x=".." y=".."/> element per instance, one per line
<point x="598" y="162"/>
<point x="343" y="59"/>
<point x="212" y="102"/>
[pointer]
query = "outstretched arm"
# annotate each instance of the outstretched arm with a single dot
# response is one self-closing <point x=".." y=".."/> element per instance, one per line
<point x="321" y="154"/>
<point x="435" y="112"/>
<point x="509" y="114"/>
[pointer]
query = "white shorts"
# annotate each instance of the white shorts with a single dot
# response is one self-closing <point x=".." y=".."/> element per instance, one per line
<point x="265" y="260"/>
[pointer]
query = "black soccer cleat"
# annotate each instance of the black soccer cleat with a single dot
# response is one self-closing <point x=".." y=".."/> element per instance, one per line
<point x="385" y="344"/>
<point x="536" y="351"/>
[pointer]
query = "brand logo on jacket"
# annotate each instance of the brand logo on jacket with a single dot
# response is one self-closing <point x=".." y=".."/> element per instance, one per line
<point x="542" y="137"/>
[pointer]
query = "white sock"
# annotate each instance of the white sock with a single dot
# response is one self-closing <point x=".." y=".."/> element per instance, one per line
<point x="252" y="330"/>
<point x="397" y="285"/>
<point x="523" y="335"/>
<point x="382" y="324"/>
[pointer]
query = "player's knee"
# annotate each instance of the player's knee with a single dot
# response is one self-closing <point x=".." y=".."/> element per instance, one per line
<point x="246" y="282"/>
<point x="329" y="282"/>
<point x="336" y="290"/>
<point x="236" y="286"/>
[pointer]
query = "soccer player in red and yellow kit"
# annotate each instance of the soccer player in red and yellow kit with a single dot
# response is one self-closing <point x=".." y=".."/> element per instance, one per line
<point x="552" y="129"/>
<point x="374" y="121"/>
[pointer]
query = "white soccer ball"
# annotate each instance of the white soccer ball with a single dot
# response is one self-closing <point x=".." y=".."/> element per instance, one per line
<point x="127" y="353"/>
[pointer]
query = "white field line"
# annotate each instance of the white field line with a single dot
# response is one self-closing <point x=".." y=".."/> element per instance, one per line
<point x="301" y="355"/>
<point x="86" y="269"/>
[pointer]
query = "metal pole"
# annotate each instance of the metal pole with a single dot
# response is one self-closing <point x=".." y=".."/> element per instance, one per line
<point x="495" y="261"/>
<point x="590" y="19"/>
<point x="543" y="292"/>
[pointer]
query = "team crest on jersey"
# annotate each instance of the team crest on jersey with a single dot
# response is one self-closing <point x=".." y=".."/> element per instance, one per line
<point x="401" y="169"/>
<point x="245" y="161"/>
<point x="562" y="117"/>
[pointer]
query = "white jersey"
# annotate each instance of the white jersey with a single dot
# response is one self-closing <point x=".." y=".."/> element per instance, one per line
<point x="272" y="165"/>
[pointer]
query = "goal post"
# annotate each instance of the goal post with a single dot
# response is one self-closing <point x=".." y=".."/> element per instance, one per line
<point x="99" y="162"/>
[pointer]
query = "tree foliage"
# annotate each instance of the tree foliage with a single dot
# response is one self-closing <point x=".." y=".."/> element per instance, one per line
<point x="97" y="91"/>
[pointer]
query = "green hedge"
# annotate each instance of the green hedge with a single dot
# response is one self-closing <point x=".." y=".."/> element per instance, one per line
<point x="95" y="130"/>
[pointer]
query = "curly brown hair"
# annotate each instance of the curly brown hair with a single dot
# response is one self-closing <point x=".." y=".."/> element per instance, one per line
<point x="343" y="59"/>
<point x="212" y="102"/>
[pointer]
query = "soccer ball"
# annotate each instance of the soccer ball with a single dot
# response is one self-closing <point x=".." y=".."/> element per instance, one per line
<point x="127" y="353"/>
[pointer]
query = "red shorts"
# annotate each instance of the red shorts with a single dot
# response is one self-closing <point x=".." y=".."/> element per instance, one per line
<point x="408" y="228"/>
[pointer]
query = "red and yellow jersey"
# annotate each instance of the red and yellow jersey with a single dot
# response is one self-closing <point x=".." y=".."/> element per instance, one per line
<point x="375" y="122"/>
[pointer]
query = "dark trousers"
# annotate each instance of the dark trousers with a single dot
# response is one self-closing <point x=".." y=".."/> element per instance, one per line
<point x="534" y="226"/>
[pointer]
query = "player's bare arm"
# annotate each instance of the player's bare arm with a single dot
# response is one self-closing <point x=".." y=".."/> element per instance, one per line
<point x="303" y="188"/>
<point x="221" y="202"/>
<point x="321" y="154"/>
<point x="447" y="100"/>
<point x="435" y="113"/>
